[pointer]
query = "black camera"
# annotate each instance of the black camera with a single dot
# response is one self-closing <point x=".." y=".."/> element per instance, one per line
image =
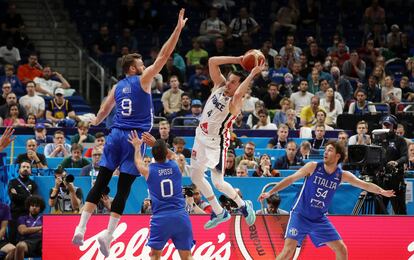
<point x="188" y="191"/>
<point x="366" y="155"/>
<point x="69" y="178"/>
<point x="228" y="203"/>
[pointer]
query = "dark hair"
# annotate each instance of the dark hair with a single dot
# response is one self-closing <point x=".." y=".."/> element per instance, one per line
<point x="76" y="146"/>
<point x="339" y="148"/>
<point x="31" y="82"/>
<point x="99" y="134"/>
<point x="35" y="201"/>
<point x="274" y="200"/>
<point x="185" y="94"/>
<point x="239" y="74"/>
<point x="128" y="60"/>
<point x="159" y="150"/>
<point x="332" y="103"/>
<point x="178" y="140"/>
<point x="263" y="111"/>
<point x="14" y="105"/>
<point x="59" y="132"/>
<point x="272" y="84"/>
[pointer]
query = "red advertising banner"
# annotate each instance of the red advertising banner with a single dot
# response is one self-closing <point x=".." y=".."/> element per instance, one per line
<point x="367" y="237"/>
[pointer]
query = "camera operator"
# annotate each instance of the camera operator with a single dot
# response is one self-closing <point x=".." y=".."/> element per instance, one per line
<point x="193" y="201"/>
<point x="64" y="196"/>
<point x="395" y="157"/>
<point x="272" y="208"/>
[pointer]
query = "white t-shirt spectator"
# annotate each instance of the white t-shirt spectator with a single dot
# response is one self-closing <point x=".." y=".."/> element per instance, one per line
<point x="50" y="85"/>
<point x="331" y="116"/>
<point x="32" y="104"/>
<point x="269" y="126"/>
<point x="10" y="56"/>
<point x="248" y="104"/>
<point x="300" y="101"/>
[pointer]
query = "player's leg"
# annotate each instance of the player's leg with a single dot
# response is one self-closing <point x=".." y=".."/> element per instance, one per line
<point x="125" y="182"/>
<point x="182" y="236"/>
<point x="339" y="248"/>
<point x="155" y="254"/>
<point x="92" y="200"/>
<point x="185" y="254"/>
<point x="288" y="249"/>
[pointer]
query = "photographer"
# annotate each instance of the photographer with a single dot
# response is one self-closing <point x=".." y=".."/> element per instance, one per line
<point x="395" y="157"/>
<point x="273" y="203"/>
<point x="64" y="196"/>
<point x="229" y="204"/>
<point x="193" y="201"/>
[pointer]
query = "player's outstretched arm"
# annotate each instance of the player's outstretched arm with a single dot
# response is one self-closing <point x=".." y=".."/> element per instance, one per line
<point x="139" y="163"/>
<point x="237" y="100"/>
<point x="6" y="138"/>
<point x="106" y="107"/>
<point x="370" y="187"/>
<point x="165" y="52"/>
<point x="286" y="182"/>
<point x="149" y="139"/>
<point x="214" y="67"/>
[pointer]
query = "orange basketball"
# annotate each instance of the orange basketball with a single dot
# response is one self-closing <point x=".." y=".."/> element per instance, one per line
<point x="250" y="58"/>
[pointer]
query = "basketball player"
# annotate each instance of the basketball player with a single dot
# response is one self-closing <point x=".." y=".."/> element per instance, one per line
<point x="168" y="205"/>
<point x="213" y="138"/>
<point x="132" y="98"/>
<point x="308" y="214"/>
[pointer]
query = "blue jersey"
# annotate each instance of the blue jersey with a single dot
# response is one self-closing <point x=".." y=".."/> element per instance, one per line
<point x="317" y="192"/>
<point x="133" y="105"/>
<point x="164" y="184"/>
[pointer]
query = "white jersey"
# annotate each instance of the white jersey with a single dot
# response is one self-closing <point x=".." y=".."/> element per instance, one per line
<point x="216" y="118"/>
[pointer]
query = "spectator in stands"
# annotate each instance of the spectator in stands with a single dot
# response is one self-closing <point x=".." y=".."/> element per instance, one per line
<point x="324" y="85"/>
<point x="286" y="18"/>
<point x="332" y="107"/>
<point x="230" y="168"/>
<point x="263" y="123"/>
<point x="6" y="89"/>
<point x="368" y="53"/>
<point x="341" y="84"/>
<point x="374" y="14"/>
<point x="242" y="171"/>
<point x="64" y="196"/>
<point x="59" y="109"/>
<point x="264" y="169"/>
<point x="196" y="110"/>
<point x="41" y="136"/>
<point x="171" y="99"/>
<point x="249" y="101"/>
<point x="372" y="89"/>
<point x="319" y="141"/>
<point x="389" y="93"/>
<point x="219" y="48"/>
<point x="273" y="203"/>
<point x="304" y="150"/>
<point x="9" y="54"/>
<point x="194" y="55"/>
<point x="405" y="50"/>
<point x="129" y="15"/>
<point x="379" y="73"/>
<point x="322" y="74"/>
<point x="92" y="169"/>
<point x="407" y="92"/>
<point x="298" y="74"/>
<point x="290" y="43"/>
<point x="212" y="27"/>
<point x="272" y="98"/>
<point x="410" y="163"/>
<point x="13" y="118"/>
<point x="400" y="131"/>
<point x="195" y="204"/>
<point x="290" y="56"/>
<point x="281" y="139"/>
<point x="315" y="54"/>
<point x="321" y="120"/>
<point x="248" y="157"/>
<point x="47" y="84"/>
<point x="6" y="247"/>
<point x="128" y="40"/>
<point x="103" y="44"/>
<point x="11" y="100"/>
<point x="12" y="22"/>
<point x="146" y="207"/>
<point x="178" y="147"/>
<point x="268" y="51"/>
<point x="58" y="148"/>
<point x="30" y="229"/>
<point x="37" y="160"/>
<point x="290" y="158"/>
<point x="31" y="120"/>
<point x="183" y="165"/>
<point x="170" y="70"/>
<point x="75" y="160"/>
<point x="361" y="137"/>
<point x="98" y="143"/>
<point x="32" y="102"/>
<point x="280" y="116"/>
<point x="19" y="189"/>
<point x="291" y="120"/>
<point x="82" y="136"/>
<point x="104" y="204"/>
<point x="9" y="77"/>
<point x="354" y="68"/>
<point x="277" y="73"/>
<point x="241" y="24"/>
<point x="302" y="97"/>
<point x="360" y="106"/>
<point x="314" y="81"/>
<point x="343" y="138"/>
<point x="239" y="123"/>
<point x="308" y="113"/>
<point x="164" y="133"/>
<point x="197" y="81"/>
<point x="29" y="71"/>
<point x="253" y="118"/>
<point x="341" y="54"/>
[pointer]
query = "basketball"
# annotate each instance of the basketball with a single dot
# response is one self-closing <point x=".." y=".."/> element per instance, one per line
<point x="250" y="57"/>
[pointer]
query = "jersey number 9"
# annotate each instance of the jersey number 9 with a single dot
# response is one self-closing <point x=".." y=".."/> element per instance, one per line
<point x="126" y="105"/>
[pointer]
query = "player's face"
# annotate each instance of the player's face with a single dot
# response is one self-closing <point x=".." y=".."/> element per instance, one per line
<point x="330" y="155"/>
<point x="138" y="67"/>
<point x="232" y="83"/>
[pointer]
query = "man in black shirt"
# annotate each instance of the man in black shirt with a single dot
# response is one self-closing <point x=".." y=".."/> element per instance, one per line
<point x="185" y="105"/>
<point x="319" y="141"/>
<point x="19" y="190"/>
<point x="272" y="98"/>
<point x="37" y="160"/>
<point x="281" y="139"/>
<point x="164" y="133"/>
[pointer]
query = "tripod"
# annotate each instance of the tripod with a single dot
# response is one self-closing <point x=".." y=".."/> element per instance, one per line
<point x="366" y="204"/>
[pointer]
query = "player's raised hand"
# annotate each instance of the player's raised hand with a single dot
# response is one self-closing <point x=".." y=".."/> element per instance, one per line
<point x="148" y="139"/>
<point x="134" y="139"/>
<point x="388" y="193"/>
<point x="6" y="138"/>
<point x="263" y="196"/>
<point x="181" y="20"/>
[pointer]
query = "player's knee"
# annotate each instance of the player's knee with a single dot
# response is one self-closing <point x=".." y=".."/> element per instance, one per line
<point x="21" y="246"/>
<point x="155" y="254"/>
<point x="342" y="250"/>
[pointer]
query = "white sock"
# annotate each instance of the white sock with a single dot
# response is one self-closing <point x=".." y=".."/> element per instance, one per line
<point x="240" y="203"/>
<point x="215" y="205"/>
<point x="84" y="219"/>
<point x="112" y="224"/>
<point x="226" y="187"/>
